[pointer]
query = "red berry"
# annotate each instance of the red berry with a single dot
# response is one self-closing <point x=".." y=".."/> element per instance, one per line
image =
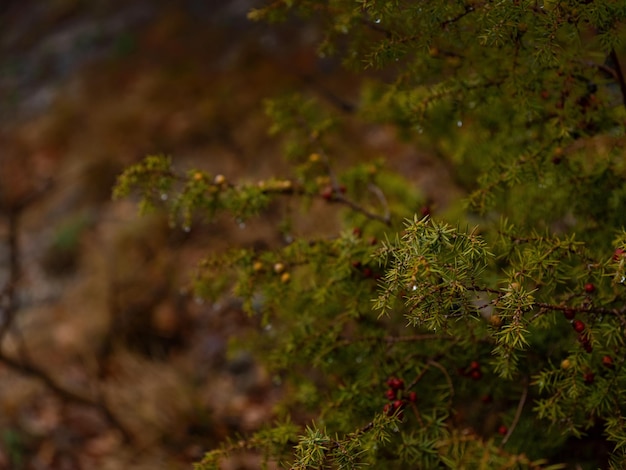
<point x="578" y="326"/>
<point x="545" y="95"/>
<point x="589" y="377"/>
<point x="398" y="404"/>
<point x="424" y="211"/>
<point x="373" y="241"/>
<point x="342" y="189"/>
<point x="412" y="397"/>
<point x="476" y="374"/>
<point x="356" y="264"/>
<point x="618" y="253"/>
<point x="390" y="394"/>
<point x="367" y="272"/>
<point x="607" y="361"/>
<point x="356" y="231"/>
<point x="327" y="193"/>
<point x="569" y="313"/>
<point x="502" y="430"/>
<point x="589" y="288"/>
<point x="474" y="365"/>
<point x="388" y="409"/>
<point x="486" y="399"/>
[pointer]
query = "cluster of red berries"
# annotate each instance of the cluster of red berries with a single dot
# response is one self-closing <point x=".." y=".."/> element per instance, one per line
<point x="589" y="376"/>
<point x="579" y="327"/>
<point x="397" y="397"/>
<point x="329" y="192"/>
<point x="357" y="232"/>
<point x="583" y="338"/>
<point x="472" y="371"/>
<point x="366" y="271"/>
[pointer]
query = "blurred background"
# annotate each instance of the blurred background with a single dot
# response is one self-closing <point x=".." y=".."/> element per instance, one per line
<point x="107" y="360"/>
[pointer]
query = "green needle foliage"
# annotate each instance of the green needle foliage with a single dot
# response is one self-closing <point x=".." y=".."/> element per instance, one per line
<point x="488" y="337"/>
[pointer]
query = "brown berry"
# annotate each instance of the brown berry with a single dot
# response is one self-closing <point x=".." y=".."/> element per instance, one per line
<point x="495" y="320"/>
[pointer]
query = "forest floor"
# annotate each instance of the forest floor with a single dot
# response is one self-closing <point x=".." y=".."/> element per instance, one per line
<point x="108" y="360"/>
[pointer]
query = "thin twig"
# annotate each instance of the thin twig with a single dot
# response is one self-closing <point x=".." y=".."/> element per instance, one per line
<point x="620" y="75"/>
<point x="445" y="373"/>
<point x="382" y="199"/>
<point x="468" y="10"/>
<point x="34" y="371"/>
<point x="518" y="414"/>
<point x="338" y="197"/>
